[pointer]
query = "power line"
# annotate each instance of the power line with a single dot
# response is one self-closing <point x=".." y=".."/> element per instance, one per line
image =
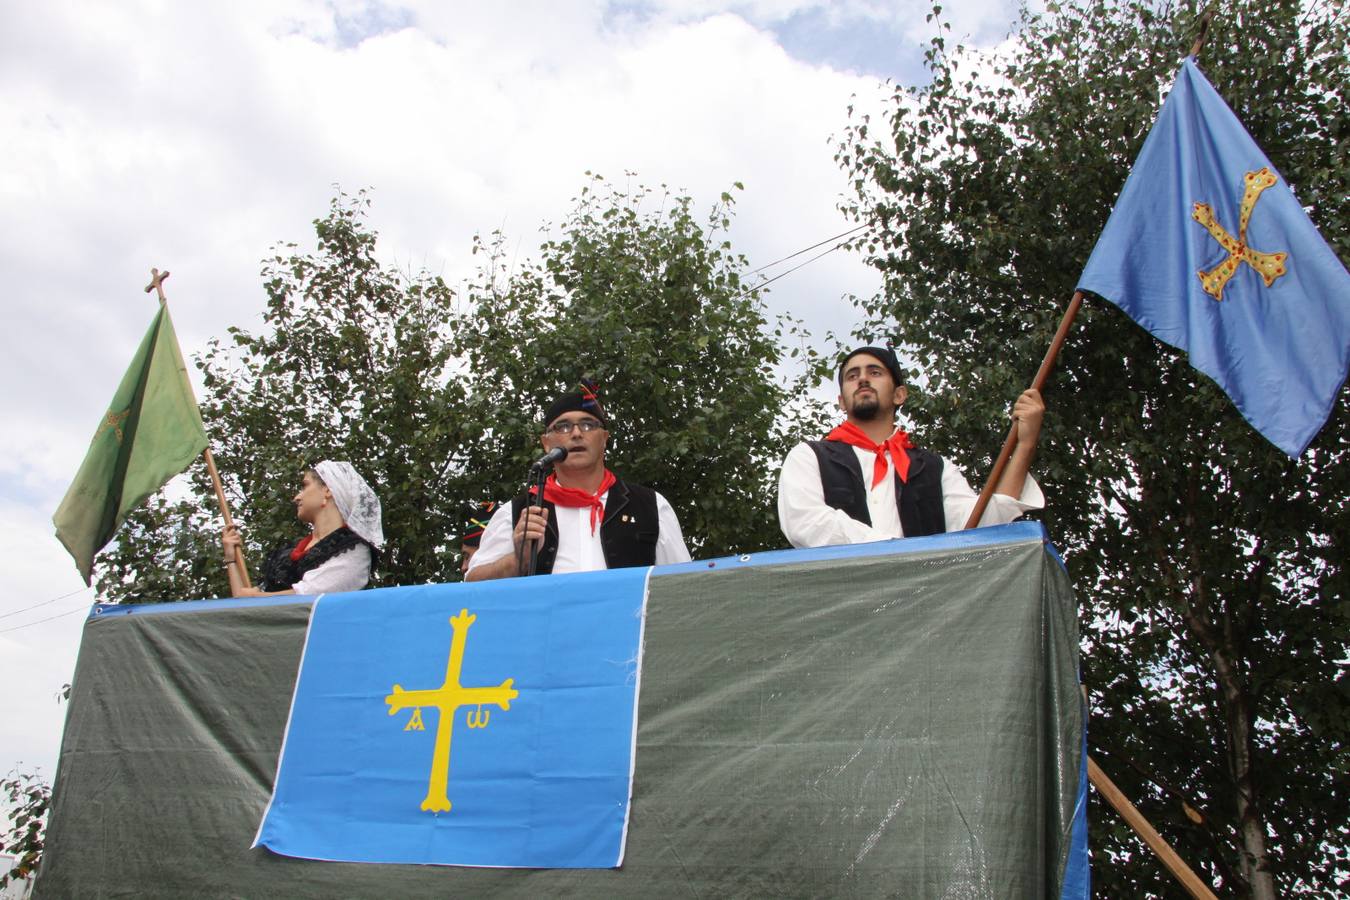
<point x="788" y="272"/>
<point x="807" y="250"/>
<point x="43" y="603"/>
<point x="48" y="619"/>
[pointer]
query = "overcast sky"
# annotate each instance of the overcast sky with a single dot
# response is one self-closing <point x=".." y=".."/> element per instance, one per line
<point x="193" y="136"/>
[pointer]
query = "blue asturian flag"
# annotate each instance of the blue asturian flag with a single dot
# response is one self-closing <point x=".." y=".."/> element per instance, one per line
<point x="1209" y="250"/>
<point x="486" y="724"/>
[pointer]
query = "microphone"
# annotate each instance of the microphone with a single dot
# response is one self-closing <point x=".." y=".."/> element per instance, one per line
<point x="556" y="455"/>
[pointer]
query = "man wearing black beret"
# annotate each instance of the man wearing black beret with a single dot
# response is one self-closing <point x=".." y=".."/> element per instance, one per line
<point x="591" y="519"/>
<point x="468" y="544"/>
<point x="868" y="482"/>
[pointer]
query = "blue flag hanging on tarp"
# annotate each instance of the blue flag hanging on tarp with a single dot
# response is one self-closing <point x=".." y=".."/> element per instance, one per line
<point x="1209" y="250"/>
<point x="497" y="733"/>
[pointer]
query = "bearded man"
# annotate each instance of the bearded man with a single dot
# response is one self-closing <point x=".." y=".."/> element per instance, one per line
<point x="868" y="482"/>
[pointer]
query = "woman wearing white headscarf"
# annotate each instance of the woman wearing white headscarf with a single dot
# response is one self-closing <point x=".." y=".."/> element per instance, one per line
<point x="341" y="549"/>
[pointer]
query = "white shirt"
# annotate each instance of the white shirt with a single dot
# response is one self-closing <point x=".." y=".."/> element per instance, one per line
<point x="348" y="571"/>
<point x="578" y="549"/>
<point x="808" y="521"/>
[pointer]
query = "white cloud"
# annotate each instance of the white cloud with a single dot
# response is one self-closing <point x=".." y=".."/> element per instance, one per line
<point x="193" y="136"/>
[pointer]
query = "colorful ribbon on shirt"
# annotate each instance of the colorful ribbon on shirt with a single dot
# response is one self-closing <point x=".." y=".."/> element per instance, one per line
<point x="895" y="445"/>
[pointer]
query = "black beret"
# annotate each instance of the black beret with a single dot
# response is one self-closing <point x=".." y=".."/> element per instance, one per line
<point x="885" y="354"/>
<point x="585" y="399"/>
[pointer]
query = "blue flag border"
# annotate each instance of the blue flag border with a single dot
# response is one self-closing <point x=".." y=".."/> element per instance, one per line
<point x="295" y="690"/>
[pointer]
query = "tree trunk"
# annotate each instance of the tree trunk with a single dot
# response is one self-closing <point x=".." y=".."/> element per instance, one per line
<point x="1213" y="623"/>
<point x="1251" y="824"/>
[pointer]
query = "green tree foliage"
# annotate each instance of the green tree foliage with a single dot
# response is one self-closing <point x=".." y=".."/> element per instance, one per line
<point x="29" y="798"/>
<point x="165" y="550"/>
<point x="351" y="364"/>
<point x="1210" y="567"/>
<point x="637" y="292"/>
<point x="435" y="399"/>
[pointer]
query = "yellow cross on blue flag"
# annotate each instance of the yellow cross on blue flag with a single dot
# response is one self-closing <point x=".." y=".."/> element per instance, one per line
<point x="1208" y="249"/>
<point x="498" y="733"/>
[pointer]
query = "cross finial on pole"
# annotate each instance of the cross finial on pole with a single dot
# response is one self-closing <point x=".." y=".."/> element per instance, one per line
<point x="157" y="284"/>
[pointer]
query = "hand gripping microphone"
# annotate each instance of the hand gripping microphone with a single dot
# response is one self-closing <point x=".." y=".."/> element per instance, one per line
<point x="556" y="455"/>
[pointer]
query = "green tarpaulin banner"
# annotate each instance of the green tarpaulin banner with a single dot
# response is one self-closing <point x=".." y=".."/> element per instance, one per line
<point x="891" y="719"/>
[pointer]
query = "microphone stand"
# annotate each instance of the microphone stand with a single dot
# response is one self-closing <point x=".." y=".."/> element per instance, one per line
<point x="537" y="472"/>
<point x="534" y="500"/>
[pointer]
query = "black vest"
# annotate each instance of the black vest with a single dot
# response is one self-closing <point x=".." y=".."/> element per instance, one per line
<point x="628" y="532"/>
<point x="919" y="499"/>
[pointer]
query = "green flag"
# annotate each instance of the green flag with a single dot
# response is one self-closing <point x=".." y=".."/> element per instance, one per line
<point x="151" y="432"/>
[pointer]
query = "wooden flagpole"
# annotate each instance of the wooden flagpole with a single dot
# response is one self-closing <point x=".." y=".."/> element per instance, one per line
<point x="1174" y="863"/>
<point x="157" y="284"/>
<point x="1105" y="787"/>
<point x="1203" y="24"/>
<point x="1037" y="383"/>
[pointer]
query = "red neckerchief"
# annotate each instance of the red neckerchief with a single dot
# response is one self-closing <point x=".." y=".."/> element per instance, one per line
<point x="896" y="444"/>
<point x="578" y="499"/>
<point x="301" y="547"/>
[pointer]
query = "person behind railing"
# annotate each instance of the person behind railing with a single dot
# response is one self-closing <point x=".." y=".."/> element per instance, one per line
<point x="868" y="482"/>
<point x="342" y="548"/>
<point x="468" y="544"/>
<point x="591" y="519"/>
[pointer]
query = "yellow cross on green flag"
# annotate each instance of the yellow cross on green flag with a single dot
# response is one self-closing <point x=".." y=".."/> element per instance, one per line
<point x="151" y="432"/>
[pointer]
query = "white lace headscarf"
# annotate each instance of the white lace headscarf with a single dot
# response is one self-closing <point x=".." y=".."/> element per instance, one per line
<point x="356" y="502"/>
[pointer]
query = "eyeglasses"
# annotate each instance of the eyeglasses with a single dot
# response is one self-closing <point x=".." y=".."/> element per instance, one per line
<point x="585" y="426"/>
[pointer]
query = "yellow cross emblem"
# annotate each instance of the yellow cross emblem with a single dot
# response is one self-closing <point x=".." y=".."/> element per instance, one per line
<point x="114" y="421"/>
<point x="1268" y="265"/>
<point x="448" y="698"/>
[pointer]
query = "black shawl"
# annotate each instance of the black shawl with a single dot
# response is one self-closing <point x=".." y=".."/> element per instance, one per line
<point x="280" y="572"/>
